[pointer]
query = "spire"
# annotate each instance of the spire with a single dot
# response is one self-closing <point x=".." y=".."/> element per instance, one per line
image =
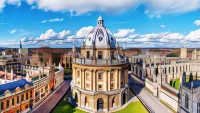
<point x="100" y="21"/>
<point x="20" y="44"/>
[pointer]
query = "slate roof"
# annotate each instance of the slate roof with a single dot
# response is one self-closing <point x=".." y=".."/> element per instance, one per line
<point x="13" y="85"/>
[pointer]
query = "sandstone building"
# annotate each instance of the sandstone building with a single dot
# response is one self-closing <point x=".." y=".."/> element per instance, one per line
<point x="100" y="72"/>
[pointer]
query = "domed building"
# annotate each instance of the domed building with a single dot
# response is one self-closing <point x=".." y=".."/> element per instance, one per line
<point x="100" y="72"/>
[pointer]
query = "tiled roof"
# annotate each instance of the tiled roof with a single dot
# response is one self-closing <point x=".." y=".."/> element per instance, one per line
<point x="13" y="85"/>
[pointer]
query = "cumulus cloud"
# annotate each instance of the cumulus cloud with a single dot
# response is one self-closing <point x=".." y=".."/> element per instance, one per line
<point x="13" y="31"/>
<point x="124" y="33"/>
<point x="163" y="26"/>
<point x="52" y="35"/>
<point x="197" y="22"/>
<point x="53" y="20"/>
<point x="83" y="32"/>
<point x="193" y="36"/>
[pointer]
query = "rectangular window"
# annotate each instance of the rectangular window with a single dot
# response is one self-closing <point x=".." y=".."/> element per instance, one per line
<point x="31" y="94"/>
<point x="100" y="76"/>
<point x="22" y="97"/>
<point x="7" y="103"/>
<point x="100" y="87"/>
<point x="17" y="99"/>
<point x="111" y="76"/>
<point x="87" y="85"/>
<point x="100" y="54"/>
<point x="13" y="102"/>
<point x="26" y="95"/>
<point x="78" y="74"/>
<point x="112" y="54"/>
<point x="112" y="86"/>
<point x="87" y="76"/>
<point x="88" y="54"/>
<point x="2" y="105"/>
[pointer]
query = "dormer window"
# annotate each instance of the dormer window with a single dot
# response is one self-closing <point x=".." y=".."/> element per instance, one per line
<point x="100" y="38"/>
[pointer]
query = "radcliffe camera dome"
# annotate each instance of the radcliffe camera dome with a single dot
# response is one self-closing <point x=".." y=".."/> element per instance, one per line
<point x="100" y="36"/>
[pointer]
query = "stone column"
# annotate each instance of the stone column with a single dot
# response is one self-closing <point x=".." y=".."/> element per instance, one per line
<point x="94" y="80"/>
<point x="132" y="68"/>
<point x="91" y="78"/>
<point x="108" y="81"/>
<point x="175" y="71"/>
<point x="119" y="77"/>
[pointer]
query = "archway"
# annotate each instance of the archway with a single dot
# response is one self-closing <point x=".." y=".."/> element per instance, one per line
<point x="124" y="98"/>
<point x="113" y="102"/>
<point x="86" y="101"/>
<point x="76" y="97"/>
<point x="100" y="104"/>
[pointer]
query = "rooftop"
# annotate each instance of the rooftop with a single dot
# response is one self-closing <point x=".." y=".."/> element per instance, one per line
<point x="13" y="85"/>
<point x="196" y="84"/>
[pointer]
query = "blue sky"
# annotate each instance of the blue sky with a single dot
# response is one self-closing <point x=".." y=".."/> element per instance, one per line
<point x="135" y="23"/>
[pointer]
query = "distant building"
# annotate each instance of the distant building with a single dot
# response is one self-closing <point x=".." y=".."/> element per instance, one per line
<point x="51" y="56"/>
<point x="189" y="96"/>
<point x="183" y="53"/>
<point x="21" y="93"/>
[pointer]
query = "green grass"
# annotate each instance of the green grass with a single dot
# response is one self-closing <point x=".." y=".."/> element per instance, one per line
<point x="134" y="107"/>
<point x="64" y="107"/>
<point x="67" y="70"/>
<point x="176" y="83"/>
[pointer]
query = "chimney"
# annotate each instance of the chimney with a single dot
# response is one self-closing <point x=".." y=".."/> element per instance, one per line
<point x="27" y="76"/>
<point x="12" y="74"/>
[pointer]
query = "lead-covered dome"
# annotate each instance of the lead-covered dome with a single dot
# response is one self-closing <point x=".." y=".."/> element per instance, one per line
<point x="100" y="36"/>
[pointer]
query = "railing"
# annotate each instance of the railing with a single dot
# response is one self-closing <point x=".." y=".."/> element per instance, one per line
<point x="100" y="61"/>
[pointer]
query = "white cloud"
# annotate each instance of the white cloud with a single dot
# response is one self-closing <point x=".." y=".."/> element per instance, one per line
<point x="52" y="35"/>
<point x="53" y="20"/>
<point x="163" y="26"/>
<point x="197" y="22"/>
<point x="14" y="2"/>
<point x="13" y="31"/>
<point x="83" y="32"/>
<point x="81" y="6"/>
<point x="193" y="36"/>
<point x="56" y="20"/>
<point x="44" y="21"/>
<point x="124" y="33"/>
<point x="2" y="4"/>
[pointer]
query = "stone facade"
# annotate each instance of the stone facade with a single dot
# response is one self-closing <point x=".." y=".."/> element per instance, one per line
<point x="100" y="74"/>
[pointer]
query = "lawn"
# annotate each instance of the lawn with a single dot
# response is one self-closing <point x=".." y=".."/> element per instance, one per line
<point x="67" y="70"/>
<point x="134" y="107"/>
<point x="176" y="83"/>
<point x="64" y="107"/>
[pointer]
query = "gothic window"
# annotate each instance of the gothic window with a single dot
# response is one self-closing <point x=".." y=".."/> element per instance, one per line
<point x="186" y="101"/>
<point x="89" y="38"/>
<point x="22" y="97"/>
<point x="17" y="99"/>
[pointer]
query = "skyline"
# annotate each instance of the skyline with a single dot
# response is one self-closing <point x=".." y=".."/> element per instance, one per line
<point x="137" y="24"/>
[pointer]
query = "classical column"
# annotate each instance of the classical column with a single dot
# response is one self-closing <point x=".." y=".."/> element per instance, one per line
<point x="109" y="82"/>
<point x="135" y="69"/>
<point x="94" y="80"/>
<point x="175" y="71"/>
<point x="119" y="77"/>
<point x="91" y="79"/>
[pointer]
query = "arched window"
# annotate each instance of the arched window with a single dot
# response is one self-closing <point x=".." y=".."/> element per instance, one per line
<point x="100" y="104"/>
<point x="186" y="101"/>
<point x="113" y="102"/>
<point x="86" y="101"/>
<point x="124" y="98"/>
<point x="76" y="97"/>
<point x="198" y="107"/>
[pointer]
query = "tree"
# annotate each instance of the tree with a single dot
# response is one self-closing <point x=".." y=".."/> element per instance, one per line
<point x="191" y="77"/>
